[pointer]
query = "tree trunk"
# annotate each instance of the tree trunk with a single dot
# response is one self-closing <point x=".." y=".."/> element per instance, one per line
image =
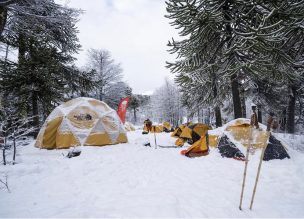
<point x="237" y="106"/>
<point x="243" y="99"/>
<point x="21" y="49"/>
<point x="14" y="155"/>
<point x="3" y="17"/>
<point x="134" y="113"/>
<point x="291" y="111"/>
<point x="35" y="112"/>
<point x="207" y="117"/>
<point x="283" y="120"/>
<point x="260" y="120"/>
<point x="218" y="116"/>
<point x="3" y="154"/>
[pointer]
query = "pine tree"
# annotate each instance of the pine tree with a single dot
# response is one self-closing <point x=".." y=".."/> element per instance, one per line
<point x="231" y="40"/>
<point x="45" y="35"/>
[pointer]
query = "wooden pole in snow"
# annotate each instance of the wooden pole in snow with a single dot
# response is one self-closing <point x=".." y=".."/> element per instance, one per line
<point x="245" y="169"/>
<point x="258" y="175"/>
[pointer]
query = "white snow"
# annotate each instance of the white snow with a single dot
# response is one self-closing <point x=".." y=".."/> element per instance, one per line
<point x="134" y="181"/>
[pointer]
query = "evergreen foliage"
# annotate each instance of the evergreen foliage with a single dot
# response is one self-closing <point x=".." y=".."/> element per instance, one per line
<point x="225" y="43"/>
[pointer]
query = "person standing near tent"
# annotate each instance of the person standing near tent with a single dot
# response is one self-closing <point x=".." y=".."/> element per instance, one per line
<point x="254" y="118"/>
<point x="272" y="123"/>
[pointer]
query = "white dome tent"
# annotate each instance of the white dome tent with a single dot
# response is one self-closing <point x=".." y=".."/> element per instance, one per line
<point x="81" y="121"/>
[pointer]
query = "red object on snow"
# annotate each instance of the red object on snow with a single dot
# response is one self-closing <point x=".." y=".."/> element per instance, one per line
<point x="239" y="158"/>
<point x="122" y="109"/>
<point x="183" y="152"/>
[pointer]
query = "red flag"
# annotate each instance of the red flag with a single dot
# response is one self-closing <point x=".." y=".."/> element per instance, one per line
<point x="122" y="109"/>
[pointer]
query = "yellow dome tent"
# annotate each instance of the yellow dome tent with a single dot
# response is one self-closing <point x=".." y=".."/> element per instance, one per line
<point x="81" y="121"/>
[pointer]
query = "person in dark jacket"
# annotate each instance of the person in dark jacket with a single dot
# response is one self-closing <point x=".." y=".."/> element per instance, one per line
<point x="272" y="122"/>
<point x="254" y="118"/>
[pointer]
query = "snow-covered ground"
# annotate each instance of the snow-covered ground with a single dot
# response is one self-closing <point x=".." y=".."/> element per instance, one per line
<point x="131" y="180"/>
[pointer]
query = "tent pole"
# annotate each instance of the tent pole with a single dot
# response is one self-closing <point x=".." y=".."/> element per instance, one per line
<point x="258" y="174"/>
<point x="245" y="169"/>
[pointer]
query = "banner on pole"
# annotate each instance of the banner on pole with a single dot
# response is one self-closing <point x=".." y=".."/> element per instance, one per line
<point x="122" y="109"/>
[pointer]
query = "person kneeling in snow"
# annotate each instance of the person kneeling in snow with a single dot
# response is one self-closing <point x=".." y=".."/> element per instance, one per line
<point x="147" y="126"/>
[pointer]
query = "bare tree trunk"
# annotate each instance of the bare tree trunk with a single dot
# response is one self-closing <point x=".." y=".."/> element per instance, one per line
<point x="207" y="117"/>
<point x="243" y="102"/>
<point x="3" y="155"/>
<point x="14" y="155"/>
<point x="260" y="120"/>
<point x="134" y="113"/>
<point x="237" y="106"/>
<point x="21" y="49"/>
<point x="35" y="111"/>
<point x="218" y="116"/>
<point x="283" y="120"/>
<point x="291" y="111"/>
<point x="3" y="17"/>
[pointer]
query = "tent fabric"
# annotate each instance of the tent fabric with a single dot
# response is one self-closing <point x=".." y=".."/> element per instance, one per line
<point x="81" y="121"/>
<point x="213" y="140"/>
<point x="228" y="149"/>
<point x="179" y="142"/>
<point x="243" y="133"/>
<point x="194" y="132"/>
<point x="156" y="129"/>
<point x="177" y="132"/>
<point x="167" y="126"/>
<point x="275" y="150"/>
<point x="199" y="148"/>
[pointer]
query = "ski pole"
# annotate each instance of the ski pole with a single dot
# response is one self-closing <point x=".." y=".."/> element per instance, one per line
<point x="258" y="175"/>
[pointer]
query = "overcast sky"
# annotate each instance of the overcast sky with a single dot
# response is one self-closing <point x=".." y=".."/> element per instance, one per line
<point x="134" y="31"/>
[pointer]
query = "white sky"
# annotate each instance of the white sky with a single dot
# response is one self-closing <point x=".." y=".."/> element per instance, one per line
<point x="134" y="31"/>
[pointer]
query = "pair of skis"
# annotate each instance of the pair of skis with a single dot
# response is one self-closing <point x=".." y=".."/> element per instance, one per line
<point x="245" y="173"/>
